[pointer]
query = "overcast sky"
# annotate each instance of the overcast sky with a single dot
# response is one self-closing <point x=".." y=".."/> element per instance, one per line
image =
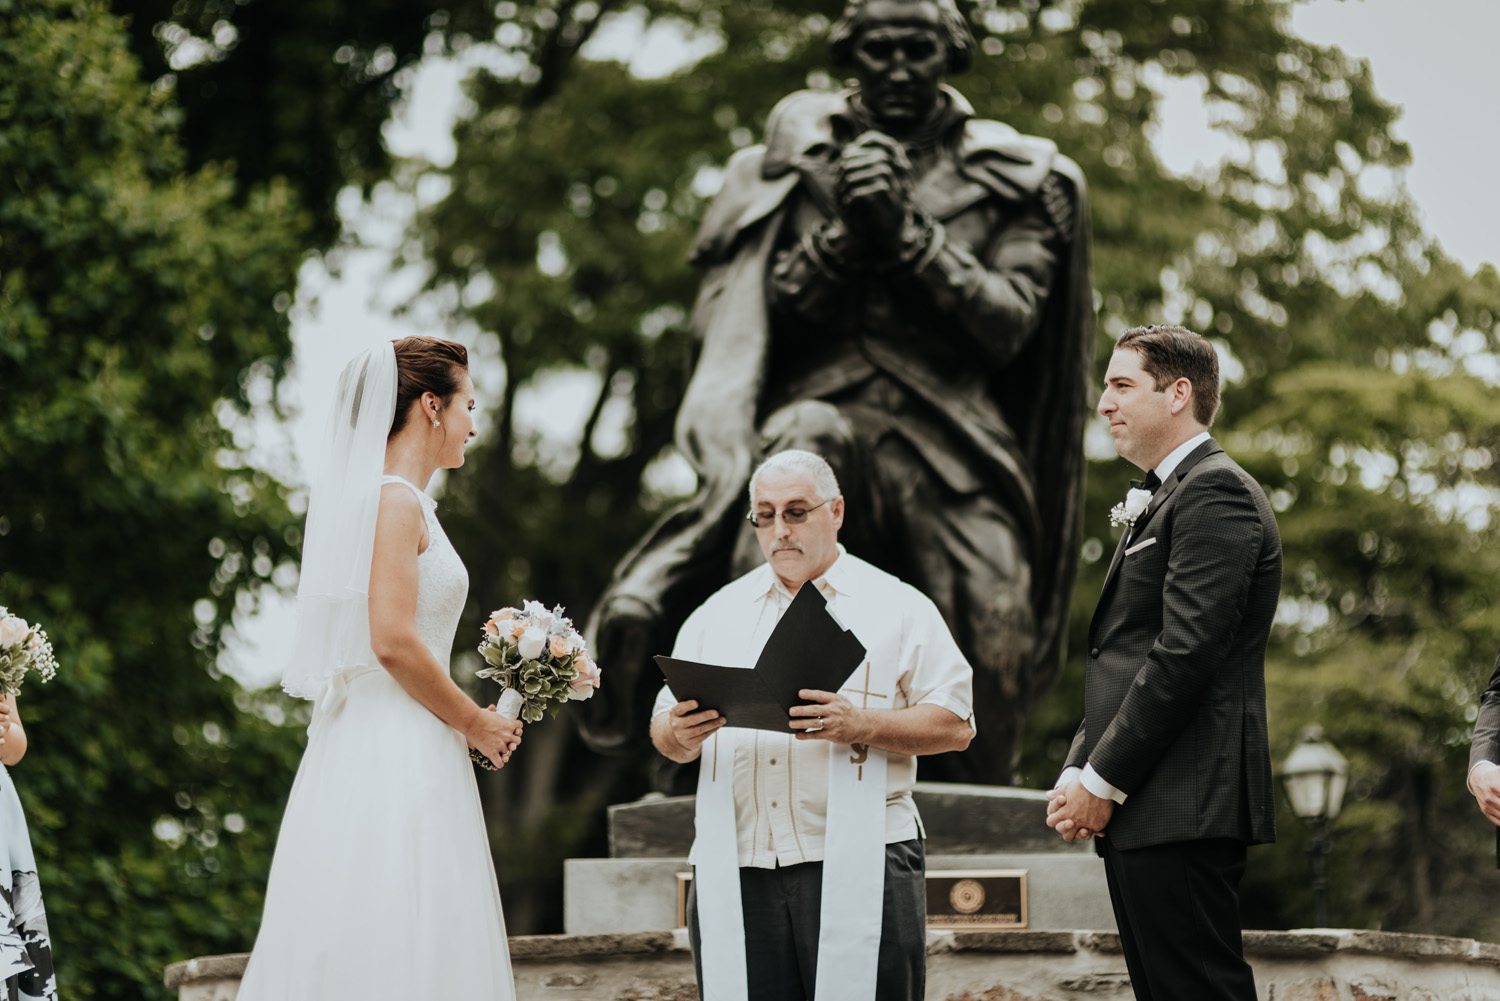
<point x="1431" y="57"/>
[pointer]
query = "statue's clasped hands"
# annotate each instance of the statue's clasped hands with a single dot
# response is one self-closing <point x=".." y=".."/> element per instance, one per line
<point x="874" y="179"/>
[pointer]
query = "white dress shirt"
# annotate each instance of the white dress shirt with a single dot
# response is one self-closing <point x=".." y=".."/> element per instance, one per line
<point x="781" y="783"/>
<point x="1092" y="780"/>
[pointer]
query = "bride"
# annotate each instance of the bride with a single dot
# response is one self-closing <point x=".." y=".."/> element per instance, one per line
<point x="382" y="885"/>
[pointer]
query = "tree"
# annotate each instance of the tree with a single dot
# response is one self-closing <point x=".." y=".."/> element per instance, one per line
<point x="142" y="320"/>
<point x="290" y="90"/>
<point x="1354" y="350"/>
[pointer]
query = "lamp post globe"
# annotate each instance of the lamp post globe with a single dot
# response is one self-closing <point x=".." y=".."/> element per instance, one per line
<point x="1315" y="776"/>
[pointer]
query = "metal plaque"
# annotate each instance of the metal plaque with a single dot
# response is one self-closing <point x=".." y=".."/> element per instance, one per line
<point x="976" y="898"/>
<point x="956" y="898"/>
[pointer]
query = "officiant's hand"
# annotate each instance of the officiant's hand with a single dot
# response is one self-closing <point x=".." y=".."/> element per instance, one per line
<point x="690" y="729"/>
<point x="833" y="717"/>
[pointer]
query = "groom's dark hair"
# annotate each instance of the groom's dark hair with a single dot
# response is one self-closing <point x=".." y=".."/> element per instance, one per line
<point x="1170" y="353"/>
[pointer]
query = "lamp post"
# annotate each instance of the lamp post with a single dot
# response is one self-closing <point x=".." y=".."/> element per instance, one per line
<point x="1315" y="775"/>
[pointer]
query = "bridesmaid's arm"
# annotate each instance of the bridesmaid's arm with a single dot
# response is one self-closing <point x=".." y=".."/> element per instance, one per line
<point x="12" y="733"/>
<point x="399" y="531"/>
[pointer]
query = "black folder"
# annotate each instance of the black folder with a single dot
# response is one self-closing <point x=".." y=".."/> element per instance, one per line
<point x="807" y="649"/>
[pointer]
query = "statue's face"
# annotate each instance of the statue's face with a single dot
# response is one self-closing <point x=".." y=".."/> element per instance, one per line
<point x="900" y="58"/>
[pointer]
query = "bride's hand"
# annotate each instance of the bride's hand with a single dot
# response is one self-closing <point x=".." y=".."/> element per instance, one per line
<point x="494" y="736"/>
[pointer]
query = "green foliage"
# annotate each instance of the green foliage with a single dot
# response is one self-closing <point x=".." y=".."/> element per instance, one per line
<point x="1351" y="345"/>
<point x="142" y="317"/>
<point x="293" y="90"/>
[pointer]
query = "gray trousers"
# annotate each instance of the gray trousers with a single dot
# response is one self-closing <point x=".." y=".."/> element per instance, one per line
<point x="781" y="928"/>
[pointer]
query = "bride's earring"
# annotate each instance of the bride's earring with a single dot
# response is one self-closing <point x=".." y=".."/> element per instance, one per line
<point x="436" y="423"/>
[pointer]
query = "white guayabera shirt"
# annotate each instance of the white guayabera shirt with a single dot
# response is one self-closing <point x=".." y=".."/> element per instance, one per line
<point x="781" y="783"/>
<point x="801" y="801"/>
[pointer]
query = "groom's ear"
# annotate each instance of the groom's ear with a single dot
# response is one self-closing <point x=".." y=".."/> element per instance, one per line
<point x="1182" y="395"/>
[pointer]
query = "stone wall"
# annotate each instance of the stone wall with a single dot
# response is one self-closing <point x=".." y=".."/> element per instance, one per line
<point x="1318" y="965"/>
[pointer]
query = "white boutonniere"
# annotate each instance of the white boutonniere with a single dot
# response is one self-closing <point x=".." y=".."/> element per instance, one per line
<point x="1126" y="512"/>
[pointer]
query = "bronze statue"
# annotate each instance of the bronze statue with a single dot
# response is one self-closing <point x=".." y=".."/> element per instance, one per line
<point x="903" y="288"/>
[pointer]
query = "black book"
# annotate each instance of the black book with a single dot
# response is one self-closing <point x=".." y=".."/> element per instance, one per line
<point x="807" y="649"/>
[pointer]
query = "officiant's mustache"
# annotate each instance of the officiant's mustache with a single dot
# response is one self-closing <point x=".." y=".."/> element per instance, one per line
<point x="788" y="544"/>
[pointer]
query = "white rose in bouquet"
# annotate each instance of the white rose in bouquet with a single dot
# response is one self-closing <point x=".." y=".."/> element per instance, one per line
<point x="532" y="642"/>
<point x="13" y="631"/>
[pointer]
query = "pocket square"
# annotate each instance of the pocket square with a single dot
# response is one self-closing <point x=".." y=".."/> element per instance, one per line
<point x="1141" y="545"/>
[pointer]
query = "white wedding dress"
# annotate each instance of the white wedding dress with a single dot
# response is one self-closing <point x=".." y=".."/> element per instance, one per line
<point x="382" y="885"/>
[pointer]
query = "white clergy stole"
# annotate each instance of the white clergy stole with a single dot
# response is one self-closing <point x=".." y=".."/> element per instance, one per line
<point x="854" y="841"/>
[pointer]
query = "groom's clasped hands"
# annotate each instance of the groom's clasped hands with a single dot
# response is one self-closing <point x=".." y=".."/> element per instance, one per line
<point x="1074" y="812"/>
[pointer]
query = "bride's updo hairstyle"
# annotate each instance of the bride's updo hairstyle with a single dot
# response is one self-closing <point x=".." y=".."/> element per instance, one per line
<point x="425" y="365"/>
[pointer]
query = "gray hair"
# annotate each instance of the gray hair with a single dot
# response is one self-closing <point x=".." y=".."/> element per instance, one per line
<point x="795" y="460"/>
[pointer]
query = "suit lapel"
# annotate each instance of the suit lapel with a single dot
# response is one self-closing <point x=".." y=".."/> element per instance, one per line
<point x="1114" y="564"/>
<point x="1168" y="487"/>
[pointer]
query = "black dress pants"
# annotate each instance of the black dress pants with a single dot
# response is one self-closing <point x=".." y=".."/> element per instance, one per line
<point x="782" y="909"/>
<point x="1178" y="909"/>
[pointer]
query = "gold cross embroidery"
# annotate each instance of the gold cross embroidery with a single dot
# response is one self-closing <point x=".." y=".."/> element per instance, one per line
<point x="861" y="751"/>
<point x="865" y="692"/>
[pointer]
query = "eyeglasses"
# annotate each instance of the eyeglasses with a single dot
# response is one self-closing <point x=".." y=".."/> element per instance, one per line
<point x="790" y="515"/>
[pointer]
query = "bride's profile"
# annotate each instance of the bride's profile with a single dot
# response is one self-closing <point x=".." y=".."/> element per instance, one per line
<point x="382" y="884"/>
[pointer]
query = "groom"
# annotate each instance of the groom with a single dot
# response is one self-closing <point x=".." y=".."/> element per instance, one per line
<point x="1170" y="767"/>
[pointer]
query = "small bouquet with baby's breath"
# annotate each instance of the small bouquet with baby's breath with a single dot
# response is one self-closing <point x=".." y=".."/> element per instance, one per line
<point x="23" y="647"/>
<point x="540" y="661"/>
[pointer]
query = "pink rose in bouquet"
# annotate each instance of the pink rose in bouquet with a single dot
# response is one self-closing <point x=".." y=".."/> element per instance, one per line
<point x="588" y="678"/>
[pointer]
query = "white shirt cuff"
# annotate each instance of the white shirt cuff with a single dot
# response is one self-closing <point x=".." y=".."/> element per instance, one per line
<point x="1068" y="775"/>
<point x="1096" y="784"/>
<point x="1470" y="781"/>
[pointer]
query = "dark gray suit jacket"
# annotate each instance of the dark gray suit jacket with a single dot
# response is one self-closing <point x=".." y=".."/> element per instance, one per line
<point x="1175" y="698"/>
<point x="1486" y="744"/>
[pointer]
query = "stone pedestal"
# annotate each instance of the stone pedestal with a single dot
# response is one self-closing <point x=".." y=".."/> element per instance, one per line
<point x="602" y="896"/>
<point x="968" y="827"/>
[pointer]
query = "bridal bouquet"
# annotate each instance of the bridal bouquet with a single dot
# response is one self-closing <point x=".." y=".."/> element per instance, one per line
<point x="23" y="647"/>
<point x="540" y="661"/>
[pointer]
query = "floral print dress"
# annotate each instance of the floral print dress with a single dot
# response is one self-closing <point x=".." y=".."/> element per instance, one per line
<point x="25" y="947"/>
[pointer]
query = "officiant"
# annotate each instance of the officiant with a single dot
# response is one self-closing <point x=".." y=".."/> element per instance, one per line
<point x="827" y="802"/>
